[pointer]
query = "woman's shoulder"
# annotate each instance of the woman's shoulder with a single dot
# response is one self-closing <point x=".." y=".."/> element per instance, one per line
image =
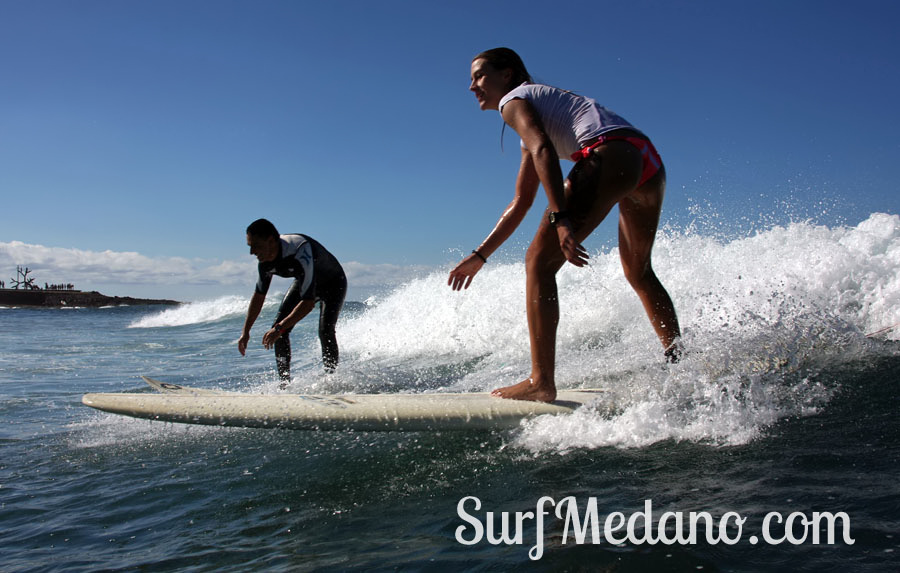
<point x="527" y="91"/>
<point x="532" y="91"/>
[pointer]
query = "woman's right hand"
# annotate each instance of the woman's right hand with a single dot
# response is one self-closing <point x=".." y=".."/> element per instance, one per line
<point x="462" y="274"/>
<point x="574" y="252"/>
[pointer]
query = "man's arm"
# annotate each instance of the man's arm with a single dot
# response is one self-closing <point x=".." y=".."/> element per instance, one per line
<point x="256" y="304"/>
<point x="300" y="311"/>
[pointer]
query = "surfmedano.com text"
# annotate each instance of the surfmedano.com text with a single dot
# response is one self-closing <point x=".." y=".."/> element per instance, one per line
<point x="669" y="528"/>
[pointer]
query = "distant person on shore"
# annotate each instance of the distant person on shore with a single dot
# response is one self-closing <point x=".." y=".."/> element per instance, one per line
<point x="614" y="164"/>
<point x="318" y="277"/>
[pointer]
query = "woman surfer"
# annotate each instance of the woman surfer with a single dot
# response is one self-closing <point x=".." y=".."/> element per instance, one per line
<point x="614" y="164"/>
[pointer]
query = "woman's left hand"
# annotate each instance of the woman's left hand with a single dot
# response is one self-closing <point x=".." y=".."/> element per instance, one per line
<point x="574" y="252"/>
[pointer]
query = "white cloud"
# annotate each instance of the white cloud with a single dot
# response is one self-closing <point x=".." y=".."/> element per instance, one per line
<point x="168" y="276"/>
<point x="58" y="264"/>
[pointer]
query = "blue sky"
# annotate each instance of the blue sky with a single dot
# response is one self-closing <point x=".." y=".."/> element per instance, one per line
<point x="139" y="138"/>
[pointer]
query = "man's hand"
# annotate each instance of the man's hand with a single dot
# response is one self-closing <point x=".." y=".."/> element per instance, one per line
<point x="242" y="343"/>
<point x="271" y="336"/>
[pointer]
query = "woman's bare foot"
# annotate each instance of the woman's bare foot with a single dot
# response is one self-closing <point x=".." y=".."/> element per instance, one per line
<point x="527" y="390"/>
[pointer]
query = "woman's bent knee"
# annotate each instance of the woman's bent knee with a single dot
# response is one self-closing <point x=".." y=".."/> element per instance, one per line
<point x="641" y="277"/>
<point x="541" y="259"/>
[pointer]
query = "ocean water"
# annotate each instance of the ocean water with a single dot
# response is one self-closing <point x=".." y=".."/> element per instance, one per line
<point x="782" y="413"/>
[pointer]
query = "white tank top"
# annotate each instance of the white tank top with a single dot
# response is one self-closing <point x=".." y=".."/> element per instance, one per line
<point x="569" y="119"/>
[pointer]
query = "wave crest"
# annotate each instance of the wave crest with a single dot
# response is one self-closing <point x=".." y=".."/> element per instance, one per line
<point x="764" y="318"/>
<point x="194" y="313"/>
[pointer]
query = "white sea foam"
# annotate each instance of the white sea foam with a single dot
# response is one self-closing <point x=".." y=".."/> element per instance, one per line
<point x="107" y="430"/>
<point x="761" y="316"/>
<point x="765" y="317"/>
<point x="196" y="312"/>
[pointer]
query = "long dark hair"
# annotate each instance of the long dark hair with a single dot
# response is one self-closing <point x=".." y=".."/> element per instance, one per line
<point x="506" y="59"/>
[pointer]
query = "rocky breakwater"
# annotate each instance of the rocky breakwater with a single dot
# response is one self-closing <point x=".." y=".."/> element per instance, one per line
<point x="70" y="298"/>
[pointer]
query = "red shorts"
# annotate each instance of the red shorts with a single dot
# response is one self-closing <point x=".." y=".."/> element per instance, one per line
<point x="652" y="161"/>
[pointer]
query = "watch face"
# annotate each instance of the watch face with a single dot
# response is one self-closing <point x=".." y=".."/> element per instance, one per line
<point x="555" y="217"/>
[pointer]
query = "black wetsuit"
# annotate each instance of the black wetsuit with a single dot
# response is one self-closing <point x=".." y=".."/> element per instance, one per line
<point x="318" y="276"/>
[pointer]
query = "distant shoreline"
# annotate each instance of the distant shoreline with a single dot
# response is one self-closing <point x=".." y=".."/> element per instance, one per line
<point x="70" y="298"/>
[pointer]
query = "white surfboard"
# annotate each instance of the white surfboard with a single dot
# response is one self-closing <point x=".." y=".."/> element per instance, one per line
<point x="169" y="388"/>
<point x="362" y="412"/>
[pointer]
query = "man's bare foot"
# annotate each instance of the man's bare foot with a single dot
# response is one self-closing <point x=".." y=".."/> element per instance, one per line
<point x="527" y="390"/>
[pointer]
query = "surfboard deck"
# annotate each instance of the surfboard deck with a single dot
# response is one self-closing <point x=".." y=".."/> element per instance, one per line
<point x="360" y="412"/>
<point x="169" y="388"/>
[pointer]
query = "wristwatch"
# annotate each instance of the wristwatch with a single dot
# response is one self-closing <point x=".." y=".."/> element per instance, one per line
<point x="557" y="216"/>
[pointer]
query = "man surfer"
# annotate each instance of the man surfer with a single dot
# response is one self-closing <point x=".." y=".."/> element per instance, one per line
<point x="318" y="277"/>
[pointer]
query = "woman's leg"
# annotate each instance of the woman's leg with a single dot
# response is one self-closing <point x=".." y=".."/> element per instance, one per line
<point x="542" y="261"/>
<point x="592" y="188"/>
<point x="638" y="222"/>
